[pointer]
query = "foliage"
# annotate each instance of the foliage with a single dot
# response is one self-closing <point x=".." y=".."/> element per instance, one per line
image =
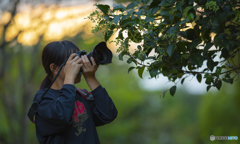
<point x="184" y="119"/>
<point x="217" y="113"/>
<point x="182" y="34"/>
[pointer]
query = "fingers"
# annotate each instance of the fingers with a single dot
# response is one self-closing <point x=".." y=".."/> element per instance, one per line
<point x="79" y="60"/>
<point x="71" y="56"/>
<point x="93" y="61"/>
<point x="75" y="58"/>
<point x="80" y="65"/>
<point x="86" y="62"/>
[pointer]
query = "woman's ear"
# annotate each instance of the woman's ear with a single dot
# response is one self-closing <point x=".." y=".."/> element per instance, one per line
<point x="53" y="68"/>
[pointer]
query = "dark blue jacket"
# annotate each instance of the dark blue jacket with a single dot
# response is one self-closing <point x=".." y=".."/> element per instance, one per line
<point x="66" y="117"/>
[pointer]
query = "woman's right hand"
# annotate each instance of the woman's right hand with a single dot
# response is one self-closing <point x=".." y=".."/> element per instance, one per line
<point x="72" y="68"/>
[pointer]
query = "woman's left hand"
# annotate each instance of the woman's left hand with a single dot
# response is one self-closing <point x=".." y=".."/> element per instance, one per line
<point x="88" y="69"/>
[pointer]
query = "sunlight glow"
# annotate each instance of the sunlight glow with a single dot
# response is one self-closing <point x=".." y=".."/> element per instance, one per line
<point x="28" y="37"/>
<point x="22" y="21"/>
<point x="5" y="18"/>
<point x="11" y="32"/>
<point x="53" y="22"/>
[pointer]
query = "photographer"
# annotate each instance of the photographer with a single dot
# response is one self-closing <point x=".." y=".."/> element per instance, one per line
<point x="66" y="115"/>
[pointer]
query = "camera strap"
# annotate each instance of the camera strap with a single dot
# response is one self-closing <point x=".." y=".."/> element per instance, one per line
<point x="87" y="95"/>
<point x="34" y="107"/>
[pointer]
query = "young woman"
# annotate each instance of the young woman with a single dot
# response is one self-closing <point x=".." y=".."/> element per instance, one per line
<point x="64" y="115"/>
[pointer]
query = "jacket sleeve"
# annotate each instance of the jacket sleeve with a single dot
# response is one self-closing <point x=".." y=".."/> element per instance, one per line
<point x="55" y="111"/>
<point x="103" y="108"/>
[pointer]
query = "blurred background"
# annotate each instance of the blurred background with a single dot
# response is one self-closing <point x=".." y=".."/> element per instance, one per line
<point x="190" y="117"/>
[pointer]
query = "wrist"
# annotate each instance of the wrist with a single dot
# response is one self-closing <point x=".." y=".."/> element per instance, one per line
<point x="89" y="76"/>
<point x="92" y="82"/>
<point x="69" y="80"/>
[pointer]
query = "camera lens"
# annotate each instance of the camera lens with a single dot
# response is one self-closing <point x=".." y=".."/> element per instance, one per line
<point x="100" y="56"/>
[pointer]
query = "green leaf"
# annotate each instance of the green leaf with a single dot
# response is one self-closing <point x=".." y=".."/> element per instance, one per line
<point x="166" y="71"/>
<point x="216" y="21"/>
<point x="163" y="93"/>
<point x="118" y="7"/>
<point x="185" y="11"/>
<point x="195" y="43"/>
<point x="116" y="19"/>
<point x="180" y="75"/>
<point x="183" y="34"/>
<point x="176" y="57"/>
<point x="179" y="6"/>
<point x="153" y="72"/>
<point x="218" y="70"/>
<point x="173" y="29"/>
<point x="125" y="17"/>
<point x="132" y="5"/>
<point x="175" y="72"/>
<point x="191" y="34"/>
<point x="120" y="56"/>
<point x="210" y="64"/>
<point x="164" y="3"/>
<point x="208" y="87"/>
<point x="182" y="81"/>
<point x="155" y="10"/>
<point x="209" y="80"/>
<point x="190" y="16"/>
<point x="134" y="35"/>
<point x="228" y="80"/>
<point x="145" y="1"/>
<point x="207" y="47"/>
<point x="184" y="21"/>
<point x="120" y="35"/>
<point x="103" y="8"/>
<point x="108" y="34"/>
<point x="150" y="18"/>
<point x="218" y="84"/>
<point x="131" y="68"/>
<point x="190" y="2"/>
<point x="139" y="47"/>
<point x="130" y="60"/>
<point x="197" y="59"/>
<point x="128" y="22"/>
<point x="164" y="12"/>
<point x="207" y="75"/>
<point x="173" y="90"/>
<point x="225" y="53"/>
<point x="126" y="42"/>
<point x="140" y="71"/>
<point x="170" y="49"/>
<point x="199" y="78"/>
<point x="181" y="47"/>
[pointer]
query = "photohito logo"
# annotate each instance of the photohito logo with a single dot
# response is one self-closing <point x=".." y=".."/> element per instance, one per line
<point x="212" y="137"/>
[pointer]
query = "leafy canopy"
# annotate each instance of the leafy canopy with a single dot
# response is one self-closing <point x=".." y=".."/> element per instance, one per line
<point x="181" y="34"/>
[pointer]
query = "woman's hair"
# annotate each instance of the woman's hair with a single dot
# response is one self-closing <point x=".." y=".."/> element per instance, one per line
<point x="55" y="52"/>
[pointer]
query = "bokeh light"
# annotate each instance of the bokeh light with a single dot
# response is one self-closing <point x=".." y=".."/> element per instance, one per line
<point x="53" y="23"/>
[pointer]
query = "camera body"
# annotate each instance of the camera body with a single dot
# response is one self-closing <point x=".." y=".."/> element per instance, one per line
<point x="101" y="54"/>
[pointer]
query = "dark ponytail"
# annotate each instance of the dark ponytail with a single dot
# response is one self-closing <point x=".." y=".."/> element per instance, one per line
<point x="55" y="52"/>
<point x="46" y="82"/>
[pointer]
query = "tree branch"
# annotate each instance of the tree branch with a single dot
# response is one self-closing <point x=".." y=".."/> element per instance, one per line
<point x="237" y="69"/>
<point x="136" y="60"/>
<point x="4" y="43"/>
<point x="13" y="13"/>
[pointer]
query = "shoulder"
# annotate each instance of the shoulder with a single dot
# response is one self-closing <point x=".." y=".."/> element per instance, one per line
<point x="51" y="94"/>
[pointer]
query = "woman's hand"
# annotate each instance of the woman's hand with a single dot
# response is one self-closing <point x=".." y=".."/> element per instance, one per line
<point x="72" y="67"/>
<point x="89" y="71"/>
